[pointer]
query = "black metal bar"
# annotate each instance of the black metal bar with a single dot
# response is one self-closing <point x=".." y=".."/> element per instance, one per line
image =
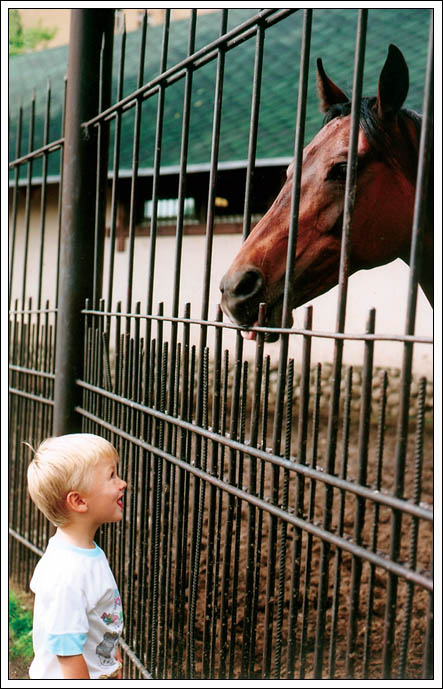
<point x="419" y="223"/>
<point x="375" y="521"/>
<point x="135" y="164"/>
<point x="183" y="167"/>
<point x="286" y="316"/>
<point x="104" y="96"/>
<point x="294" y="601"/>
<point x="351" y="178"/>
<point x="309" y="544"/>
<point x="60" y="204"/>
<point x="157" y="160"/>
<point x="76" y="270"/>
<point x="211" y="559"/>
<point x="360" y="506"/>
<point x="253" y="128"/>
<point x="282" y="331"/>
<point x="327" y="536"/>
<point x="252" y="512"/>
<point x="43" y="196"/>
<point x="412" y="560"/>
<point x="28" y="200"/>
<point x="209" y="52"/>
<point x="298" y="161"/>
<point x="15" y="203"/>
<point x="329" y="479"/>
<point x="284" y="527"/>
<point x="36" y="153"/>
<point x="340" y="526"/>
<point x="238" y="511"/>
<point x="116" y="165"/>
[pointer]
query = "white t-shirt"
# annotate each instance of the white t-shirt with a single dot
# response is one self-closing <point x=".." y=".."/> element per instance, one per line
<point x="77" y="610"/>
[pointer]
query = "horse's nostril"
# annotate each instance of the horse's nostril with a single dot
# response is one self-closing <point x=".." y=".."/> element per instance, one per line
<point x="248" y="284"/>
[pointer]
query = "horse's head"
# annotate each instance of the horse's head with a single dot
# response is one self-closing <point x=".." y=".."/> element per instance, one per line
<point x="383" y="205"/>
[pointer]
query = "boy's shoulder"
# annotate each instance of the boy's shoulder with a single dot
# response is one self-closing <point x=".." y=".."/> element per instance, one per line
<point x="59" y="547"/>
<point x="62" y="560"/>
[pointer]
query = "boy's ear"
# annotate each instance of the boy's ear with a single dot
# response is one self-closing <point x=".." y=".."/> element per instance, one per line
<point x="75" y="502"/>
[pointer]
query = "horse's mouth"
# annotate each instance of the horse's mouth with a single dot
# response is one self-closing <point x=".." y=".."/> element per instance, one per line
<point x="273" y="320"/>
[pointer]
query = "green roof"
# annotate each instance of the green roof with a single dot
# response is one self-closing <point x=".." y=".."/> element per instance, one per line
<point x="333" y="39"/>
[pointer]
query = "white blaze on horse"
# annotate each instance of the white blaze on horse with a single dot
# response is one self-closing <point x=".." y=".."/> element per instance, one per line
<point x="387" y="160"/>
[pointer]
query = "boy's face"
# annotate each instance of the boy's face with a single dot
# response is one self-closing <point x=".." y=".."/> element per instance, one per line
<point x="105" y="497"/>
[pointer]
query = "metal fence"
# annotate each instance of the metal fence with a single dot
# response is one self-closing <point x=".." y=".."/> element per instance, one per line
<point x="268" y="532"/>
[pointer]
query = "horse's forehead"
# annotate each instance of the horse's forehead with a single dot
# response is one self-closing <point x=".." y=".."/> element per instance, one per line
<point x="333" y="138"/>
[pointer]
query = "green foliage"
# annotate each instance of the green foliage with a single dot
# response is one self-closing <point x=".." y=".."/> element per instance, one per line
<point x="26" y="40"/>
<point x="20" y="629"/>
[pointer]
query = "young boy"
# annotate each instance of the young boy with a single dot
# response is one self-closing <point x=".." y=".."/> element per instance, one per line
<point x="78" y="615"/>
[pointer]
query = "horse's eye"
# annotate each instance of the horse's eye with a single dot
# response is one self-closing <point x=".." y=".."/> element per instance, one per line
<point x="338" y="172"/>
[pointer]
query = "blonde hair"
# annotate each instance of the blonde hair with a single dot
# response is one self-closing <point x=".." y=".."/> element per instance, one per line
<point x="62" y="465"/>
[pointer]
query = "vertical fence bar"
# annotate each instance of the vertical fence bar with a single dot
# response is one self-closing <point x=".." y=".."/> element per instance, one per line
<point x="104" y="97"/>
<point x="28" y="198"/>
<point x="115" y="167"/>
<point x="360" y="505"/>
<point x="414" y="527"/>
<point x="253" y="128"/>
<point x="76" y="268"/>
<point x="15" y="201"/>
<point x="286" y="319"/>
<point x="418" y="228"/>
<point x="375" y="522"/>
<point x="157" y="160"/>
<point x="60" y="204"/>
<point x="294" y="604"/>
<point x="308" y="552"/>
<point x="351" y="179"/>
<point x="135" y="164"/>
<point x="43" y="195"/>
<point x="340" y="525"/>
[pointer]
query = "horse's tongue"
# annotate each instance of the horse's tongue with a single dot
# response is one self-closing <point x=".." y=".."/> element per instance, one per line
<point x="249" y="334"/>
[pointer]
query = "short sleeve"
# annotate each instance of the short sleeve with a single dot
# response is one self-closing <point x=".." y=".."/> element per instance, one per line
<point x="66" y="621"/>
<point x="65" y="644"/>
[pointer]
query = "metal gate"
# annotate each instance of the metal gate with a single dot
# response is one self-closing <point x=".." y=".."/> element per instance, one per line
<point x="266" y="533"/>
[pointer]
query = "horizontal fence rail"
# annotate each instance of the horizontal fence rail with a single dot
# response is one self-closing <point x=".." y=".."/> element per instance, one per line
<point x="278" y="519"/>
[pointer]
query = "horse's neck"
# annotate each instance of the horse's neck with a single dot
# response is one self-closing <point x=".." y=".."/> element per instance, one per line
<point x="426" y="272"/>
<point x="426" y="261"/>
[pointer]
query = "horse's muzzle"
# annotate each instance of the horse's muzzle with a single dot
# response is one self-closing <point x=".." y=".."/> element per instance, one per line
<point x="242" y="292"/>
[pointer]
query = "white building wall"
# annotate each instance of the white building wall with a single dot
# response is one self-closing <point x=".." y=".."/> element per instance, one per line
<point x="383" y="288"/>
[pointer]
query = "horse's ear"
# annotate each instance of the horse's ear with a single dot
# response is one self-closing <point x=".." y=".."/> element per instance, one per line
<point x="393" y="85"/>
<point x="328" y="92"/>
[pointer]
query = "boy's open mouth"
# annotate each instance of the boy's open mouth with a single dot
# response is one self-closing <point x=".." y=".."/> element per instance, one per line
<point x="120" y="502"/>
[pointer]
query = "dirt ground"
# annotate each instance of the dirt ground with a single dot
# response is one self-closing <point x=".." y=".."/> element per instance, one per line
<point x="412" y="602"/>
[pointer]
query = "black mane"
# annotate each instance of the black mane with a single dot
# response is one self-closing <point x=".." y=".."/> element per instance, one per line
<point x="376" y="134"/>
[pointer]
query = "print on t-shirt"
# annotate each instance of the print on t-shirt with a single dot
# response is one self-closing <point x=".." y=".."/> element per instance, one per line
<point x="105" y="649"/>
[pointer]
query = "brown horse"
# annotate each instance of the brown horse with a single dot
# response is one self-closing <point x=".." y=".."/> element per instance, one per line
<point x="387" y="158"/>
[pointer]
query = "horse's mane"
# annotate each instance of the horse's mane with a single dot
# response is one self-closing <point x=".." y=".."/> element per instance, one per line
<point x="381" y="142"/>
<point x="377" y="135"/>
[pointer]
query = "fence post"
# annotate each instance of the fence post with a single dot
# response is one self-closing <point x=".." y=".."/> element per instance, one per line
<point x="79" y="185"/>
